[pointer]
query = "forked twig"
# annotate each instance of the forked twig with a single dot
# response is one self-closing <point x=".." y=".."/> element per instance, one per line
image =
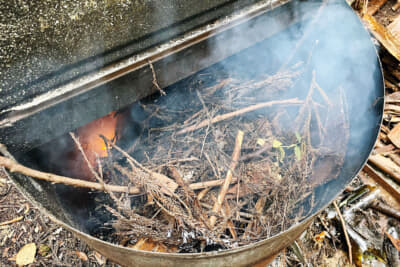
<point x="155" y="83"/>
<point x="228" y="179"/>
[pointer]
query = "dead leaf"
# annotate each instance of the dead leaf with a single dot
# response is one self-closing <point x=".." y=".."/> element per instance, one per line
<point x="27" y="208"/>
<point x="99" y="258"/>
<point x="384" y="36"/>
<point x="320" y="237"/>
<point x="394" y="135"/>
<point x="5" y="252"/>
<point x="81" y="255"/>
<point x="395" y="241"/>
<point x="325" y="168"/>
<point x="26" y="255"/>
<point x="149" y="245"/>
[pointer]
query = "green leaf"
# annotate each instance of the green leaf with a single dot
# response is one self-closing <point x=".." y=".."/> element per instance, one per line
<point x="282" y="156"/>
<point x="260" y="142"/>
<point x="297" y="153"/>
<point x="43" y="250"/>
<point x="298" y="137"/>
<point x="276" y="144"/>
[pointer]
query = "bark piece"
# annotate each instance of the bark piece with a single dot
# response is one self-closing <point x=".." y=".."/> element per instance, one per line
<point x="374" y="6"/>
<point x="386" y="165"/>
<point x="394" y="135"/>
<point x="394" y="27"/>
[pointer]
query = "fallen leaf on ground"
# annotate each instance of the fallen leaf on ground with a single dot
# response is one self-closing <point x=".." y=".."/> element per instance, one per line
<point x="26" y="255"/>
<point x="5" y="252"/>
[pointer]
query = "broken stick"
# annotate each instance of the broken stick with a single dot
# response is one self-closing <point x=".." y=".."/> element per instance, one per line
<point x="228" y="179"/>
<point x="14" y="166"/>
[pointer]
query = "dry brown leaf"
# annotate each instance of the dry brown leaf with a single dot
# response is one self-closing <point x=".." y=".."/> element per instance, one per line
<point x="384" y="36"/>
<point x="319" y="238"/>
<point x="26" y="255"/>
<point x="99" y="258"/>
<point x="149" y="245"/>
<point x="81" y="255"/>
<point x="394" y="27"/>
<point x="395" y="241"/>
<point x="5" y="252"/>
<point x="394" y="135"/>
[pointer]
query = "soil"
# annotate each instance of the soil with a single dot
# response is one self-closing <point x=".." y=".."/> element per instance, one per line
<point x="56" y="246"/>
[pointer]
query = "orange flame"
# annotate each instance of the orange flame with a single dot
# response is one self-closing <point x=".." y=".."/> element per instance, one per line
<point x="92" y="144"/>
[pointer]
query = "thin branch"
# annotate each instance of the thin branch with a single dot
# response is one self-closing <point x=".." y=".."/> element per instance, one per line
<point x="14" y="166"/>
<point x="11" y="221"/>
<point x="155" y="83"/>
<point x="345" y="232"/>
<point x="204" y="123"/>
<point x="385" y="209"/>
<point x="202" y="185"/>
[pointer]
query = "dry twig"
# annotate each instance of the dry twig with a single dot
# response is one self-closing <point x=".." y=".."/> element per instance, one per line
<point x="293" y="101"/>
<point x="14" y="166"/>
<point x="12" y="221"/>
<point x="345" y="232"/>
<point x="155" y="83"/>
<point x="228" y="179"/>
